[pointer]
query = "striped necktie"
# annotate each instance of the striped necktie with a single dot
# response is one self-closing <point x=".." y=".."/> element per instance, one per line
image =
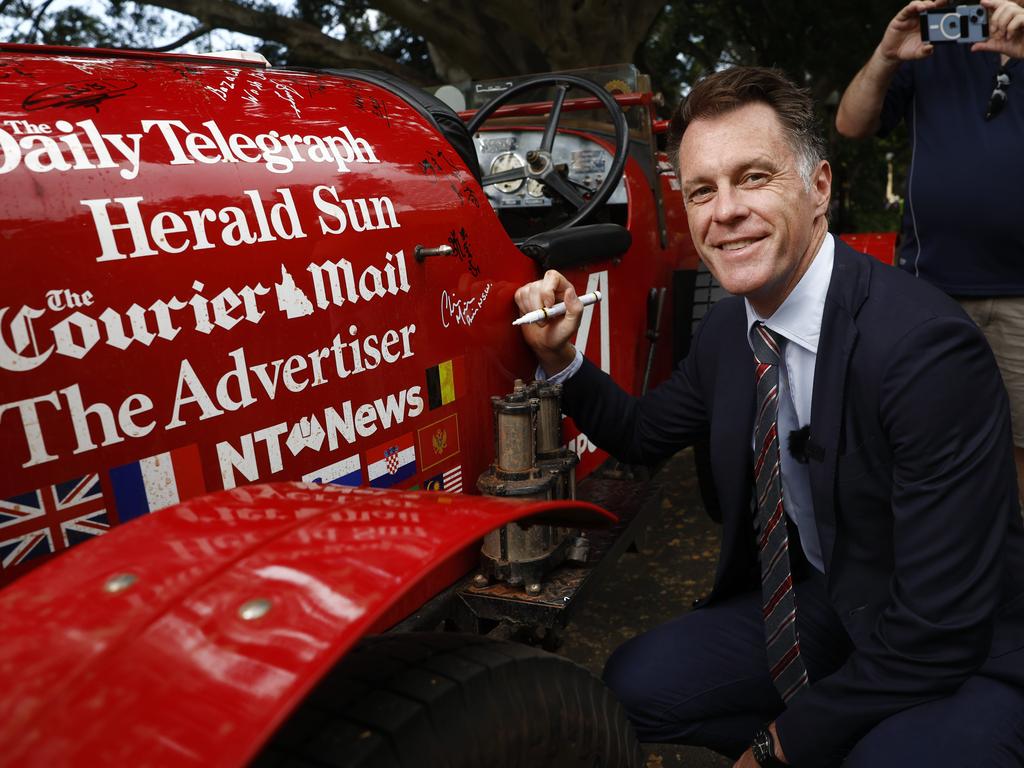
<point x="778" y="599"/>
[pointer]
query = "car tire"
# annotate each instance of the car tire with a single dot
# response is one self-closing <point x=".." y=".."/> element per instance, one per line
<point x="455" y="701"/>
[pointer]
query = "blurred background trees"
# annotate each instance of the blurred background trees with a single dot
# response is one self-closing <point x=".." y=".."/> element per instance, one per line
<point x="429" y="42"/>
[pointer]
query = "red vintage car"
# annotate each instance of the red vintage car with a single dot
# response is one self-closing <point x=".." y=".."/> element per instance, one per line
<point x="256" y="366"/>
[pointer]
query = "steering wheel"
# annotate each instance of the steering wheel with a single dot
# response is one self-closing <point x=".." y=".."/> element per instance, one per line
<point x="539" y="164"/>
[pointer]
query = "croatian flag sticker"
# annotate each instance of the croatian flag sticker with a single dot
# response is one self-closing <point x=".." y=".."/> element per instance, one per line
<point x="391" y="462"/>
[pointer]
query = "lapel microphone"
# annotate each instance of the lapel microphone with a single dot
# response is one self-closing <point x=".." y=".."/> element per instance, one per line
<point x="802" y="448"/>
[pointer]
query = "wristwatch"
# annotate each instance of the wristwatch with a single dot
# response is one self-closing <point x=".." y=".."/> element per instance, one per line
<point x="764" y="749"/>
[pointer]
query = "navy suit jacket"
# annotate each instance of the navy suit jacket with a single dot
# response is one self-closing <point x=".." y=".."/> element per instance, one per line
<point x="913" y="485"/>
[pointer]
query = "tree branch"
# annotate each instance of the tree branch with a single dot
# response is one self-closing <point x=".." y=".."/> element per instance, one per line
<point x="199" y="31"/>
<point x="459" y="30"/>
<point x="37" y="18"/>
<point x="316" y="47"/>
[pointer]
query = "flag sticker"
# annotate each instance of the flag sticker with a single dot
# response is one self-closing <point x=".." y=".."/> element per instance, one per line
<point x="438" y="441"/>
<point x="345" y="472"/>
<point x="88" y="526"/>
<point x="26" y="547"/>
<point x="445" y="382"/>
<point x="51" y="519"/>
<point x="18" y="509"/>
<point x="453" y="480"/>
<point x="391" y="462"/>
<point x="450" y="480"/>
<point x="156" y="482"/>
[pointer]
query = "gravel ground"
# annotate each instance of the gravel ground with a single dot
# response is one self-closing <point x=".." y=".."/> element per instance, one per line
<point x="673" y="566"/>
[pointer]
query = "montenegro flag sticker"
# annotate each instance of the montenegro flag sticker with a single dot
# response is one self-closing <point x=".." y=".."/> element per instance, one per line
<point x="446" y="382"/>
<point x="438" y="441"/>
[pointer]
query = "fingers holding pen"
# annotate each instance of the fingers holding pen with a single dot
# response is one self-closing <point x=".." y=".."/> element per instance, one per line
<point x="549" y="338"/>
<point x="553" y="287"/>
<point x="545" y="293"/>
<point x="573" y="305"/>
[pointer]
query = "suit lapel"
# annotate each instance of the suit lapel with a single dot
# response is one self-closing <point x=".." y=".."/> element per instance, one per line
<point x="736" y="389"/>
<point x="846" y="293"/>
<point x="732" y="431"/>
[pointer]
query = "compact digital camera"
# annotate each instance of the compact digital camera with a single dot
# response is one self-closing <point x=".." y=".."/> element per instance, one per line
<point x="965" y="24"/>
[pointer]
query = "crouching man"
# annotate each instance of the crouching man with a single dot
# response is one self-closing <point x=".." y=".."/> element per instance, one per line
<point x="869" y="599"/>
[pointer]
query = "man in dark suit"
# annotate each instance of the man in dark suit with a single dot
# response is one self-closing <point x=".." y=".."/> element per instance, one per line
<point x="869" y="599"/>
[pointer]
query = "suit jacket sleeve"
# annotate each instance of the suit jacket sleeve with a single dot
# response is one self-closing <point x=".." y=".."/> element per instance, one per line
<point x="640" y="430"/>
<point x="944" y="412"/>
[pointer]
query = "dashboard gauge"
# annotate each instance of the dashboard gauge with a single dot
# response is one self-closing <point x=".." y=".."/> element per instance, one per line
<point x="507" y="161"/>
<point x="534" y="188"/>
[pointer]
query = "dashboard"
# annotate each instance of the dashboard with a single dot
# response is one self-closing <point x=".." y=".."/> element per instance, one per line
<point x="585" y="164"/>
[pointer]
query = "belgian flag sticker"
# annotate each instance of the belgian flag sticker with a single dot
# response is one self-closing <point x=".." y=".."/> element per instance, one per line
<point x="446" y="382"/>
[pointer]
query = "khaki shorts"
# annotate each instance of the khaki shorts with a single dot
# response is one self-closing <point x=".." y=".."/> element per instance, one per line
<point x="1001" y="319"/>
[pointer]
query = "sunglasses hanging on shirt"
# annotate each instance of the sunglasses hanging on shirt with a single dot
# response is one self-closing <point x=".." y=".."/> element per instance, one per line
<point x="997" y="100"/>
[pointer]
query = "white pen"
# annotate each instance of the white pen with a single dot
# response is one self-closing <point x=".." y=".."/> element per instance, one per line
<point x="556" y="311"/>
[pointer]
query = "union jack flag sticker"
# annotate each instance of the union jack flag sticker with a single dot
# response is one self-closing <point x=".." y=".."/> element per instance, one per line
<point x="27" y="547"/>
<point x="51" y="519"/>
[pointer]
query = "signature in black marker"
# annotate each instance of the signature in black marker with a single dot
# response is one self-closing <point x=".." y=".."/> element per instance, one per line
<point x="7" y="71"/>
<point x="438" y="165"/>
<point x="370" y="103"/>
<point x="459" y="243"/>
<point x="81" y="93"/>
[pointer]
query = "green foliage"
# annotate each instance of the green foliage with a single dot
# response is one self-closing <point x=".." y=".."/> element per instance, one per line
<point x="73" y="26"/>
<point x="111" y="24"/>
<point x="358" y="22"/>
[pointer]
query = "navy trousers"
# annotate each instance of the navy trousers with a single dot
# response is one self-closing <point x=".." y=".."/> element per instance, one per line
<point x="702" y="679"/>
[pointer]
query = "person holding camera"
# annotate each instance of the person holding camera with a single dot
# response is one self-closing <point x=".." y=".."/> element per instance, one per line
<point x="963" y="104"/>
<point x="868" y="605"/>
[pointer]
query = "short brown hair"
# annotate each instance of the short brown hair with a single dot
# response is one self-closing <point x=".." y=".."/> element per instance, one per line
<point x="737" y="87"/>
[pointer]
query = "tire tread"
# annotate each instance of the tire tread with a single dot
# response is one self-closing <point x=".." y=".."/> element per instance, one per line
<point x="454" y="701"/>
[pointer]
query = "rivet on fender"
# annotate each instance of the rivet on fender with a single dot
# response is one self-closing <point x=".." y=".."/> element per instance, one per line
<point x="254" y="609"/>
<point x="119" y="582"/>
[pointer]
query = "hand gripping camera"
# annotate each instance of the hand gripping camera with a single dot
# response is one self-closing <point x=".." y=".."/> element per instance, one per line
<point x="967" y="24"/>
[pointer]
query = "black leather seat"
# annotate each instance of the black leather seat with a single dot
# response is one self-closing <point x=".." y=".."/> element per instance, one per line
<point x="436" y="112"/>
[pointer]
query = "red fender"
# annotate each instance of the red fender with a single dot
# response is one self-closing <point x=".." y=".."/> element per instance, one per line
<point x="166" y="671"/>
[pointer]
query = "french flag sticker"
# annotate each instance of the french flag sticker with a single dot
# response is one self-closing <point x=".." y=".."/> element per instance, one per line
<point x="156" y="482"/>
<point x="391" y="462"/>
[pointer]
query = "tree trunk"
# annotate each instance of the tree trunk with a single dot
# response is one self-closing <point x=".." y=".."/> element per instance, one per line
<point x="482" y="40"/>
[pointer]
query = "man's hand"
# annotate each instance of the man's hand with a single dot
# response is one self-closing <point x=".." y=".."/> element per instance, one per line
<point x="746" y="761"/>
<point x="860" y="109"/>
<point x="747" y="758"/>
<point x="1005" y="29"/>
<point x="549" y="339"/>
<point x="902" y="38"/>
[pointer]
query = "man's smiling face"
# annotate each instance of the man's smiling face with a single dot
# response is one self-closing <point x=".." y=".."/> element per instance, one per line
<point x="754" y="221"/>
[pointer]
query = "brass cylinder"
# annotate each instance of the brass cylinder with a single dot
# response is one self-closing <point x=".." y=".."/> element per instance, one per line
<point x="515" y="423"/>
<point x="549" y="419"/>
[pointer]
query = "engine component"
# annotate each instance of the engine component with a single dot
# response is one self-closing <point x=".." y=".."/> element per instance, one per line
<point x="530" y="462"/>
<point x="552" y="456"/>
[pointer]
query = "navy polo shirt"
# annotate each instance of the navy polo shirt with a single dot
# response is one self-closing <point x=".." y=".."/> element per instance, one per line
<point x="963" y="218"/>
